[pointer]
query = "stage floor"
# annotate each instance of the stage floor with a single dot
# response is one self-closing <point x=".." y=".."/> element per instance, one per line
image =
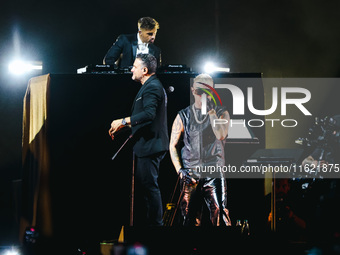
<point x="188" y="241"/>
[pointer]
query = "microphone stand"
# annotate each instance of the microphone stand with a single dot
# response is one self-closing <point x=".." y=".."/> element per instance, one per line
<point x="132" y="178"/>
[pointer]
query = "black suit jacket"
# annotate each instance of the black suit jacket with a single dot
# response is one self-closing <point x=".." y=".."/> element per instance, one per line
<point x="125" y="48"/>
<point x="149" y="119"/>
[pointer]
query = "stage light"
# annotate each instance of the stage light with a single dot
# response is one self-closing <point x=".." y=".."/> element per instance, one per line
<point x="20" y="67"/>
<point x="209" y="67"/>
<point x="212" y="68"/>
<point x="11" y="251"/>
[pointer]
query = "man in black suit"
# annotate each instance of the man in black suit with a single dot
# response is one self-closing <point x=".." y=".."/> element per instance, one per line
<point x="126" y="47"/>
<point x="148" y="122"/>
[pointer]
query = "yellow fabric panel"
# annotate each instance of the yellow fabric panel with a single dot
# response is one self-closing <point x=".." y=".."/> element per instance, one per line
<point x="35" y="149"/>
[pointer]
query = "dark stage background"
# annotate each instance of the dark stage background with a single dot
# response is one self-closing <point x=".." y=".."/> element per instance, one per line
<point x="276" y="38"/>
<point x="82" y="195"/>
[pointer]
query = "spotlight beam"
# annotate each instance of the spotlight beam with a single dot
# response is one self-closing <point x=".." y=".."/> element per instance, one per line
<point x="212" y="68"/>
<point x="20" y="67"/>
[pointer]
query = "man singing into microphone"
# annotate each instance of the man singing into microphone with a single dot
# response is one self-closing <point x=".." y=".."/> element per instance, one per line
<point x="148" y="122"/>
<point x="203" y="147"/>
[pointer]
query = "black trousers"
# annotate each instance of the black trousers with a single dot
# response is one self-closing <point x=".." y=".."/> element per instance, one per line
<point x="148" y="201"/>
<point x="209" y="192"/>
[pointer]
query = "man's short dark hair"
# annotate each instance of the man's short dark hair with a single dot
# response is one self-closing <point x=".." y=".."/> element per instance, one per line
<point x="147" y="23"/>
<point x="149" y="61"/>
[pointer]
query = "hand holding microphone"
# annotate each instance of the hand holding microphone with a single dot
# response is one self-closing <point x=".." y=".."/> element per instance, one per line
<point x="210" y="106"/>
